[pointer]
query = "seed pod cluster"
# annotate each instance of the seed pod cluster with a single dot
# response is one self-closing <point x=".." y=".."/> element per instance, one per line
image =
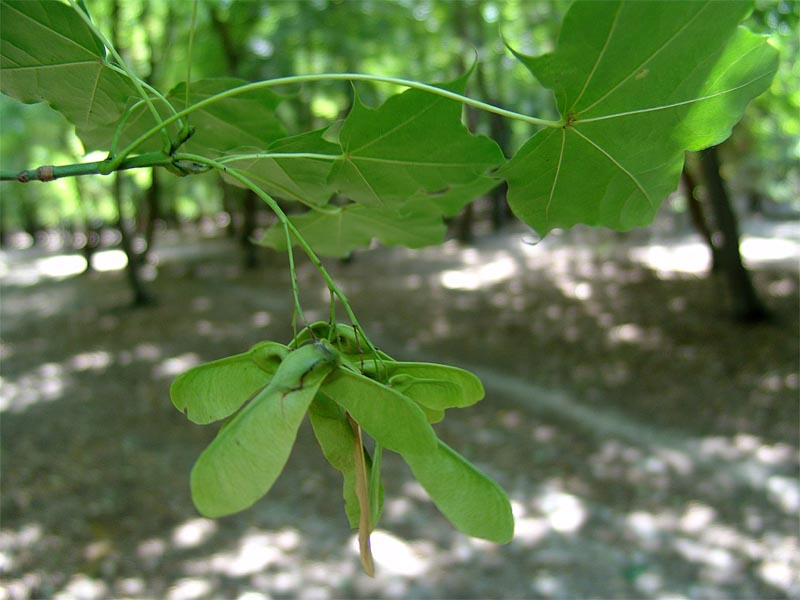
<point x="350" y="391"/>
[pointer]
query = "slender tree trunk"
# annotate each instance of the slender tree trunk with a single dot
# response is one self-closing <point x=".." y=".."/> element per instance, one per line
<point x="233" y="56"/>
<point x="4" y="223"/>
<point x="30" y="218"/>
<point x="248" y="228"/>
<point x="140" y="295"/>
<point x="746" y="304"/>
<point x="152" y="201"/>
<point x="501" y="133"/>
<point x="466" y="219"/>
<point x="229" y="206"/>
<point x="91" y="228"/>
<point x="698" y="217"/>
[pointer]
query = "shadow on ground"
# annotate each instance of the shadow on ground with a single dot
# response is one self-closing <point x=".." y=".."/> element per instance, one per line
<point x="649" y="445"/>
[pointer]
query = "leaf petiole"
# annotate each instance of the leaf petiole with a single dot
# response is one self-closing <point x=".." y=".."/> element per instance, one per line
<point x="296" y="79"/>
<point x="258" y="155"/>
<point x="301" y="241"/>
<point x="185" y="127"/>
<point x="129" y="72"/>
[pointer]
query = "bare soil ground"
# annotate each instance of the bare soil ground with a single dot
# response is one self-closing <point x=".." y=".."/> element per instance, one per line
<point x="649" y="445"/>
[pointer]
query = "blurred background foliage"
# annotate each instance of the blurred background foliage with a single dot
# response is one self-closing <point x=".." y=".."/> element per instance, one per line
<point x="427" y="40"/>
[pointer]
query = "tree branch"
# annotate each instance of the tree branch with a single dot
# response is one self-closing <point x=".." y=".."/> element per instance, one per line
<point x="50" y="172"/>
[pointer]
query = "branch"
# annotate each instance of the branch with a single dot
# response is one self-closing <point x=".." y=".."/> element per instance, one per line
<point x="50" y="172"/>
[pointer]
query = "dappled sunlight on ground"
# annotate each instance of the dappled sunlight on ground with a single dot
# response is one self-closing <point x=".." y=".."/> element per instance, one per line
<point x="60" y="266"/>
<point x="649" y="446"/>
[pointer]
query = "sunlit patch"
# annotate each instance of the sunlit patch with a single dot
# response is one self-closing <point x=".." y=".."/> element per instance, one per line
<point x="564" y="512"/>
<point x="645" y="526"/>
<point x="62" y="266"/>
<point x="782" y="288"/>
<point x="147" y="352"/>
<point x="131" y="586"/>
<point x="98" y="550"/>
<point x="397" y="509"/>
<point x="779" y="575"/>
<point x="261" y="319"/>
<point x="628" y="333"/>
<point x="26" y="537"/>
<point x="675" y="259"/>
<point x="176" y="365"/>
<point x="46" y="383"/>
<point x="394" y="556"/>
<point x="84" y="588"/>
<point x="529" y="531"/>
<point x="548" y="586"/>
<point x="785" y="492"/>
<point x="721" y="564"/>
<point x="90" y="361"/>
<point x="109" y="260"/>
<point x="652" y="583"/>
<point x="251" y="595"/>
<point x="475" y="277"/>
<point x="743" y="446"/>
<point x="756" y="249"/>
<point x="193" y="533"/>
<point x="697" y="517"/>
<point x="151" y="550"/>
<point x="255" y="552"/>
<point x="189" y="589"/>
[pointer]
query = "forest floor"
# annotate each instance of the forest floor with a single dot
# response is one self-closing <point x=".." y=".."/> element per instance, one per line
<point x="648" y="443"/>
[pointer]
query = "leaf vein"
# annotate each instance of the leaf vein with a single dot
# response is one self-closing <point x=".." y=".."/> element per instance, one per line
<point x="619" y="166"/>
<point x="599" y="57"/>
<point x="558" y="171"/>
<point x="366" y="181"/>
<point x="648" y="59"/>
<point x="396" y="127"/>
<point x="56" y="66"/>
<point x="674" y="104"/>
<point x="400" y="161"/>
<point x="90" y="107"/>
<point x="55" y="32"/>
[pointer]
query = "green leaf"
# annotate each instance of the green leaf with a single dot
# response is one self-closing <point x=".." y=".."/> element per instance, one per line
<point x="268" y="355"/>
<point x="345" y="340"/>
<point x="249" y="453"/>
<point x="471" y="501"/>
<point x="433" y="394"/>
<point x="336" y="438"/>
<point x="242" y="121"/>
<point x="48" y="54"/>
<point x="393" y="420"/>
<point x="300" y="179"/>
<point x="245" y="122"/>
<point x="470" y="389"/>
<point x="451" y="199"/>
<point x="414" y="141"/>
<point x="337" y="231"/>
<point x="218" y="389"/>
<point x="638" y="84"/>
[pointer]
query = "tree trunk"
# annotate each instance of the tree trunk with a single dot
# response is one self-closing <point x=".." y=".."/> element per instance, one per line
<point x="229" y="201"/>
<point x="248" y="228"/>
<point x="698" y="217"/>
<point x="91" y="225"/>
<point x="746" y="304"/>
<point x="140" y="295"/>
<point x="153" y="203"/>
